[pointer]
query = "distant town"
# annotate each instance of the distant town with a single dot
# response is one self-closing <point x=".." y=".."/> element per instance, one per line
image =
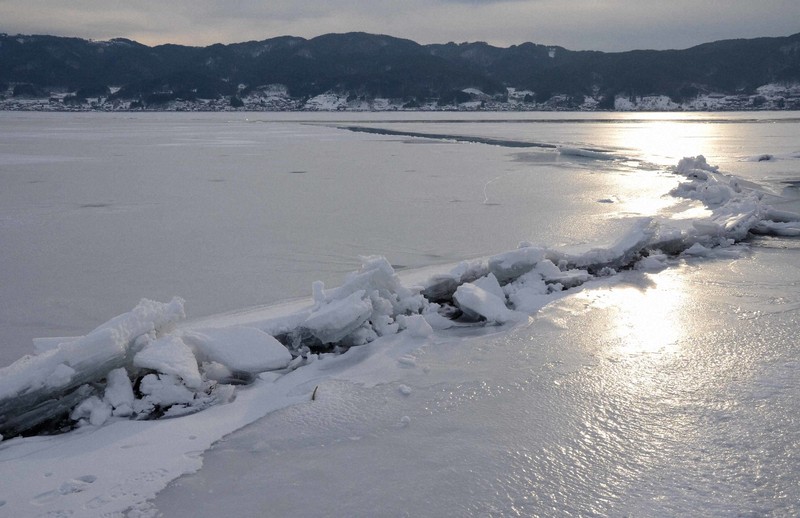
<point x="276" y="98"/>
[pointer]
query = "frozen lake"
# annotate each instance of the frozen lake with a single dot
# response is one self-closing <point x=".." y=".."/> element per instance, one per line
<point x="237" y="210"/>
<point x="675" y="396"/>
<point x="667" y="388"/>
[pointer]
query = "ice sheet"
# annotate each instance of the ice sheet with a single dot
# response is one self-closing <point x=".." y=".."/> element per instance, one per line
<point x="565" y="398"/>
<point x="229" y="212"/>
<point x="633" y="406"/>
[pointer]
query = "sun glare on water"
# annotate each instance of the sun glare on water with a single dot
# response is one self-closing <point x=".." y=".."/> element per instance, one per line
<point x="646" y="319"/>
<point x="664" y="141"/>
<point x="653" y="143"/>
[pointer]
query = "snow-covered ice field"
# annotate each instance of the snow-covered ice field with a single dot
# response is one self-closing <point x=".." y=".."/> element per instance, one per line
<point x="636" y="355"/>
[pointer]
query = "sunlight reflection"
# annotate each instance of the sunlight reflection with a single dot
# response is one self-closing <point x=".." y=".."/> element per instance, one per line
<point x="648" y="203"/>
<point x="664" y="142"/>
<point x="638" y="191"/>
<point x="647" y="318"/>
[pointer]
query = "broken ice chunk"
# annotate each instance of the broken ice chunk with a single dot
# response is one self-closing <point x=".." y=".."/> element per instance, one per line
<point x="417" y="327"/>
<point x="688" y="165"/>
<point x="337" y="319"/>
<point x="475" y="301"/>
<point x="35" y="389"/>
<point x="239" y="348"/>
<point x="434" y="319"/>
<point x="170" y="355"/>
<point x="510" y="265"/>
<point x="568" y="278"/>
<point x="92" y="409"/>
<point x="61" y="376"/>
<point x="490" y="284"/>
<point x="119" y="392"/>
<point x="162" y="390"/>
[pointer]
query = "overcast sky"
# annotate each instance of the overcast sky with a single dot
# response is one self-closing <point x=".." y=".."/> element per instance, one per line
<point x="609" y="25"/>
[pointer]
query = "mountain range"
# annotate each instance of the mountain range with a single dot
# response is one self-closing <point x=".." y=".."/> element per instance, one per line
<point x="365" y="67"/>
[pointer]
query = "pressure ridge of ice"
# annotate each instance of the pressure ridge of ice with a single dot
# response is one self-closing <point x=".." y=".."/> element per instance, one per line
<point x="144" y="365"/>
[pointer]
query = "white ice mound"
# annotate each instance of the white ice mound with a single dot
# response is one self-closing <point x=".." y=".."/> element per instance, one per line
<point x="490" y="284"/>
<point x="92" y="410"/>
<point x="694" y="165"/>
<point x="365" y="307"/>
<point x="529" y="293"/>
<point x="620" y="254"/>
<point x="737" y="207"/>
<point x="511" y="265"/>
<point x="442" y="285"/>
<point x="336" y="319"/>
<point x="118" y="401"/>
<point x="100" y="351"/>
<point x="475" y="301"/>
<point x="417" y="326"/>
<point x="778" y="228"/>
<point x="707" y="185"/>
<point x="375" y="274"/>
<point x="37" y="388"/>
<point x="119" y="393"/>
<point x="238" y="348"/>
<point x="170" y="355"/>
<point x="566" y="278"/>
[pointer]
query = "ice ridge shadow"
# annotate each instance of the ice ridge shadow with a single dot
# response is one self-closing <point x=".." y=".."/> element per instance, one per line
<point x="579" y="152"/>
<point x="449" y="137"/>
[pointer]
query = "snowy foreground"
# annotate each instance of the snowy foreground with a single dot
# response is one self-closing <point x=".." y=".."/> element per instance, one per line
<point x="142" y="397"/>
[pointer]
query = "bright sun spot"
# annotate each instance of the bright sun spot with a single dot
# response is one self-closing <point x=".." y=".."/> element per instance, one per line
<point x="664" y="142"/>
<point x="646" y="319"/>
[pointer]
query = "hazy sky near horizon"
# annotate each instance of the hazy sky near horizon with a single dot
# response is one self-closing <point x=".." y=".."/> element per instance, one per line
<point x="609" y="25"/>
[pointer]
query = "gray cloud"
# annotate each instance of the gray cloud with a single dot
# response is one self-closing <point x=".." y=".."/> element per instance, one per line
<point x="610" y="25"/>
